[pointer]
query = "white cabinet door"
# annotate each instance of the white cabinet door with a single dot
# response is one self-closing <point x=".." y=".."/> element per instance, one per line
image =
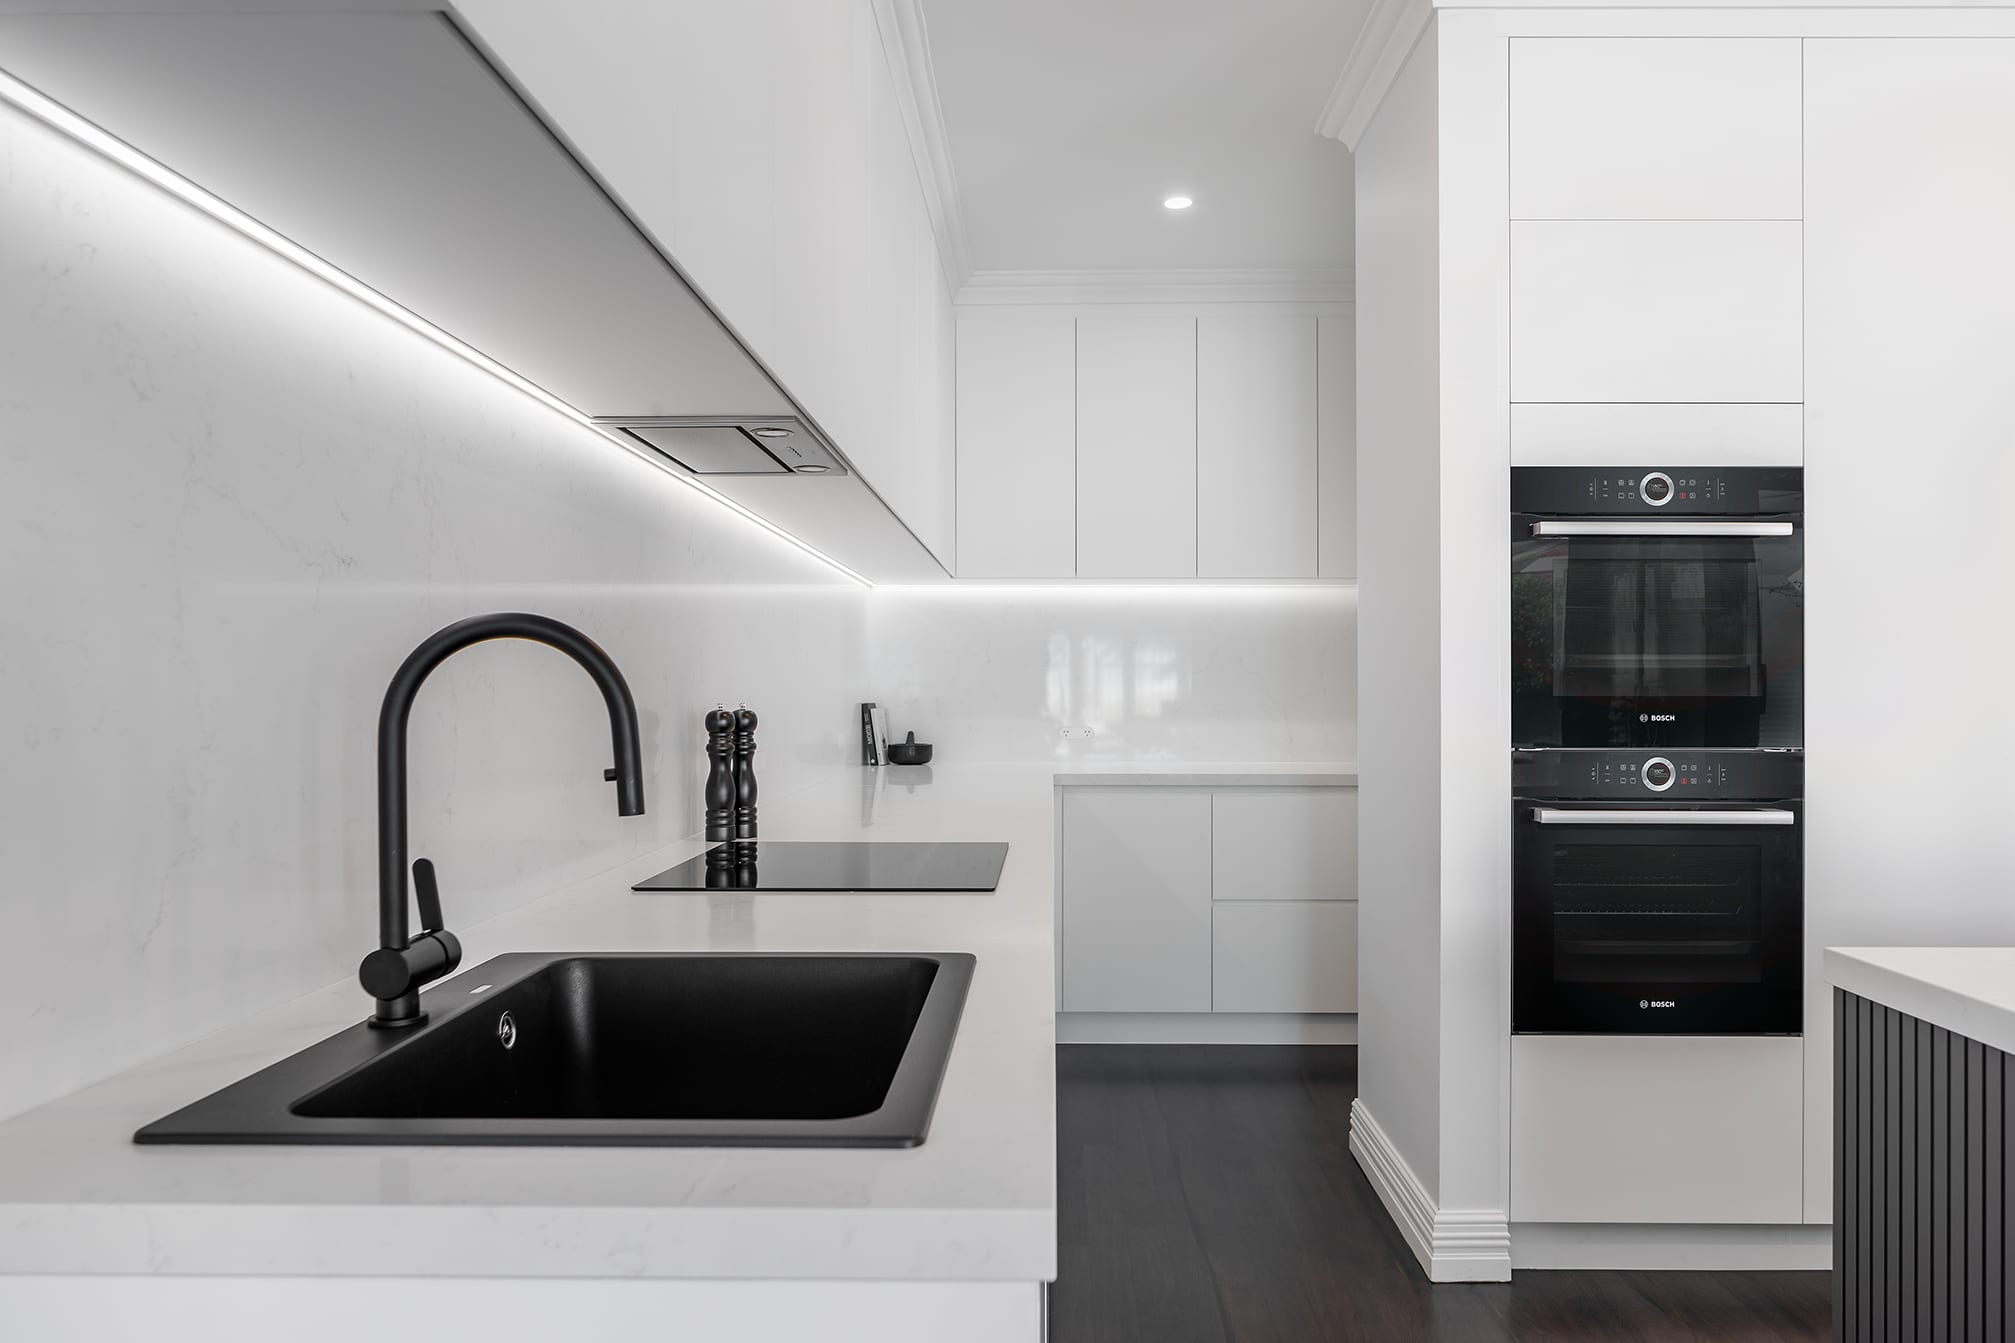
<point x="1656" y="1128"/>
<point x="1017" y="444"/>
<point x="1656" y="312"/>
<point x="1655" y="128"/>
<point x="1284" y="844"/>
<point x="1291" y="956"/>
<point x="1255" y="447"/>
<point x="1136" y="447"/>
<point x="1136" y="900"/>
<point x="1336" y="447"/>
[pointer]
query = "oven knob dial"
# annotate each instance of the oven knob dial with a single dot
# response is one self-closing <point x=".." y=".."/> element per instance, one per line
<point x="1655" y="489"/>
<point x="1657" y="774"/>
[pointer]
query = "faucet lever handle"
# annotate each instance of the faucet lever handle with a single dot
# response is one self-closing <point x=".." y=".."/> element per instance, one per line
<point x="428" y="891"/>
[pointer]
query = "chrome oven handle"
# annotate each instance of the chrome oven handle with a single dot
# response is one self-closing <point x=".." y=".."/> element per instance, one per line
<point x="1659" y="527"/>
<point x="1747" y="816"/>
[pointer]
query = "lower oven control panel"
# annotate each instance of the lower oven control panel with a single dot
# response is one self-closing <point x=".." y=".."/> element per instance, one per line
<point x="1658" y="775"/>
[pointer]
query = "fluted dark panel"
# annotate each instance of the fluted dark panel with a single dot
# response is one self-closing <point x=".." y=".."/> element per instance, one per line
<point x="1922" y="1248"/>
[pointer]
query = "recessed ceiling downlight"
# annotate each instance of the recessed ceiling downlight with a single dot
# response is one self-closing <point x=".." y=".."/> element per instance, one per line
<point x="1177" y="203"/>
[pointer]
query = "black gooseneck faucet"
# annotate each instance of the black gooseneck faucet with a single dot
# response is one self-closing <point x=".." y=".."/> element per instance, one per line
<point x="396" y="971"/>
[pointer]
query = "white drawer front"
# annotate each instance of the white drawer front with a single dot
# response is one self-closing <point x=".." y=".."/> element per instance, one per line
<point x="1651" y="1128"/>
<point x="1290" y="956"/>
<point x="1284" y="844"/>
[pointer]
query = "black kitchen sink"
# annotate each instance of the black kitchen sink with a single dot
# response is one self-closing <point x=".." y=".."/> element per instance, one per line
<point x="728" y="1050"/>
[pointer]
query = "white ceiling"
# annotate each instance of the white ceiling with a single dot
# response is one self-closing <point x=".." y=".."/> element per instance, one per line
<point x="1070" y="120"/>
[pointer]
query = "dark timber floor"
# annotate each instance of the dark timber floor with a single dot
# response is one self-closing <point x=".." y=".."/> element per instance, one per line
<point x="1207" y="1195"/>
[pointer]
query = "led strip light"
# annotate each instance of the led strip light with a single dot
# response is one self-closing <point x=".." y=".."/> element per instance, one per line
<point x="93" y="137"/>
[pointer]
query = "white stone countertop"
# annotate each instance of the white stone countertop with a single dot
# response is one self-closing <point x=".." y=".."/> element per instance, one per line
<point x="975" y="1202"/>
<point x="1206" y="774"/>
<point x="1967" y="990"/>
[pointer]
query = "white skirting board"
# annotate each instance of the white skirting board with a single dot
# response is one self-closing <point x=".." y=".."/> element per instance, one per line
<point x="1453" y="1245"/>
<point x="1205" y="1028"/>
<point x="421" y="1310"/>
<point x="1630" y="1246"/>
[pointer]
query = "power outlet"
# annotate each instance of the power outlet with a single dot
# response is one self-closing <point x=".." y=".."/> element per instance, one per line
<point x="1077" y="734"/>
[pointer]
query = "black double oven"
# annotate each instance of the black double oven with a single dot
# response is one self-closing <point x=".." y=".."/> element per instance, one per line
<point x="1657" y="669"/>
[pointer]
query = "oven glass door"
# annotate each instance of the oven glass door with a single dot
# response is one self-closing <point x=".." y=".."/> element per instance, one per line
<point x="1657" y="920"/>
<point x="1653" y="632"/>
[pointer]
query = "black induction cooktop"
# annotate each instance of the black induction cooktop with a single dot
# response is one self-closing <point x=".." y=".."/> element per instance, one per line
<point x="791" y="866"/>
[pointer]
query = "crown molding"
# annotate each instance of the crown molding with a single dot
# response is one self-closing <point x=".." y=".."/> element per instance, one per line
<point x="1383" y="44"/>
<point x="907" y="48"/>
<point x="997" y="288"/>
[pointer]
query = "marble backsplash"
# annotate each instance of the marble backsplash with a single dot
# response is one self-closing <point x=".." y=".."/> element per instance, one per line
<point x="234" y="499"/>
<point x="1150" y="672"/>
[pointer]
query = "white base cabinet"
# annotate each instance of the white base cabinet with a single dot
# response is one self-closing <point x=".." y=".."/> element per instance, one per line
<point x="1188" y="900"/>
<point x="1657" y="1128"/>
<point x="1136" y="909"/>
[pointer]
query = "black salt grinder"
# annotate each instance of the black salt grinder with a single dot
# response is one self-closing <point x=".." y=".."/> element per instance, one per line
<point x="720" y="790"/>
<point x="745" y="785"/>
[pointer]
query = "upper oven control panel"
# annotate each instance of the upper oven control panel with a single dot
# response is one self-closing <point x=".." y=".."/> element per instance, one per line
<point x="1658" y="775"/>
<point x="1653" y="490"/>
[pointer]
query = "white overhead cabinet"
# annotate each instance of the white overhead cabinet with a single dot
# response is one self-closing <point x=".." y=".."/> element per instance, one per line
<point x="1336" y="447"/>
<point x="1136" y="434"/>
<point x="1656" y="311"/>
<point x="1256" y="447"/>
<point x="1017" y="444"/>
<point x="1156" y="446"/>
<point x="1655" y="128"/>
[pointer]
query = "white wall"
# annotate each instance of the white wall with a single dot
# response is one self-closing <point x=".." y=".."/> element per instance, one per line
<point x="762" y="143"/>
<point x="1909" y="287"/>
<point x="1399" y="617"/>
<point x="1185" y="673"/>
<point x="1475" y="612"/>
<point x="233" y="499"/>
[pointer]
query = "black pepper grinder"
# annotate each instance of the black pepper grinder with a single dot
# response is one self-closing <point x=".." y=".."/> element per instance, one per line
<point x="720" y="790"/>
<point x="745" y="786"/>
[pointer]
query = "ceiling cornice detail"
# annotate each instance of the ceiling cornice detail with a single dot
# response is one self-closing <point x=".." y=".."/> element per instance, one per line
<point x="907" y="48"/>
<point x="1383" y="44"/>
<point x="995" y="288"/>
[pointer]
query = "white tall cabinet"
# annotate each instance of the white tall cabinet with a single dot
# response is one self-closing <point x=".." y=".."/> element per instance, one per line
<point x="1657" y="289"/>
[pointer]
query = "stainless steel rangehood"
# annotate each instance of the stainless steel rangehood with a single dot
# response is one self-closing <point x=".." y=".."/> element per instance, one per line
<point x="736" y="445"/>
